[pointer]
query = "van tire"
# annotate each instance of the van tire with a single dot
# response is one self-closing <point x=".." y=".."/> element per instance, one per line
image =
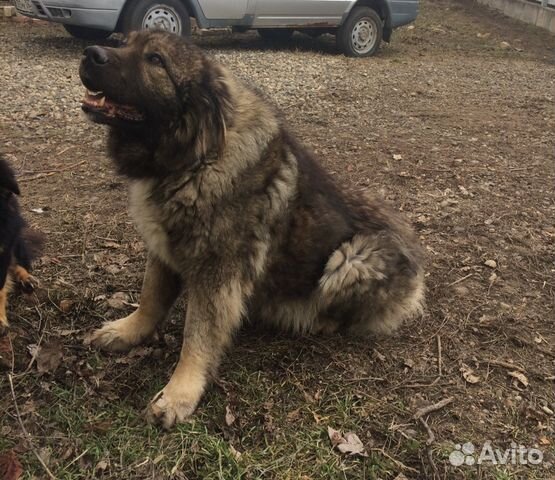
<point x="171" y="15"/>
<point x="361" y="34"/>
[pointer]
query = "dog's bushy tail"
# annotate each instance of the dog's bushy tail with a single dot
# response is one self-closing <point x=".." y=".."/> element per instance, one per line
<point x="29" y="247"/>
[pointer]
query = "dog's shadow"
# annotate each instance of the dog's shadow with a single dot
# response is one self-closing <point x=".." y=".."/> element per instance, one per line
<point x="250" y="41"/>
<point x="221" y="41"/>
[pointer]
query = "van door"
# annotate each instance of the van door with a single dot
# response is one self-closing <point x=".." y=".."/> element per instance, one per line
<point x="283" y="13"/>
<point x="223" y="9"/>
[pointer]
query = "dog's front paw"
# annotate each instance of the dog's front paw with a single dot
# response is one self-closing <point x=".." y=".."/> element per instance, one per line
<point x="24" y="280"/>
<point x="168" y="408"/>
<point x="120" y="335"/>
<point x="28" y="284"/>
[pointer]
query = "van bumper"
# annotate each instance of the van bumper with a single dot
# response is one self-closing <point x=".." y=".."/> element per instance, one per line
<point x="101" y="14"/>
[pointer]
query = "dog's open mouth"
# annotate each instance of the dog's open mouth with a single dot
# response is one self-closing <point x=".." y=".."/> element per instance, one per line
<point x="103" y="108"/>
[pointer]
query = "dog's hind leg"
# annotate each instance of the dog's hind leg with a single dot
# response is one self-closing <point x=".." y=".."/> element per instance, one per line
<point x="161" y="287"/>
<point x="373" y="281"/>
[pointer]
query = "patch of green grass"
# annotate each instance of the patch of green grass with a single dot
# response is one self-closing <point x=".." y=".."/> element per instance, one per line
<point x="503" y="475"/>
<point x="111" y="435"/>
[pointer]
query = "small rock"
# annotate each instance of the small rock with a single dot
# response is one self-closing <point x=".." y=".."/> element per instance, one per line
<point x="490" y="263"/>
<point x="505" y="45"/>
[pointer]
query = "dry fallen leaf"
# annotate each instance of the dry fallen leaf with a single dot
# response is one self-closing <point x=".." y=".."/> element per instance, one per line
<point x="113" y="269"/>
<point x="234" y="452"/>
<point x="379" y="356"/>
<point x="49" y="356"/>
<point x="10" y="467"/>
<point x="335" y="436"/>
<point x="468" y="374"/>
<point x="547" y="410"/>
<point x="229" y="417"/>
<point x="66" y="305"/>
<point x="294" y="415"/>
<point x="348" y="443"/>
<point x="118" y="300"/>
<point x="520" y="377"/>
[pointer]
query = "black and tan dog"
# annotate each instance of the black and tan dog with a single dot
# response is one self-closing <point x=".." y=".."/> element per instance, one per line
<point x="234" y="209"/>
<point x="17" y="243"/>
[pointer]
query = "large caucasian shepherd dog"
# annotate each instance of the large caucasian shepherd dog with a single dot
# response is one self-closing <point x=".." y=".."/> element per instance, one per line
<point x="234" y="209"/>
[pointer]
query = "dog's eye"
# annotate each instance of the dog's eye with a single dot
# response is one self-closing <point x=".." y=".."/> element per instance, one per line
<point x="155" y="59"/>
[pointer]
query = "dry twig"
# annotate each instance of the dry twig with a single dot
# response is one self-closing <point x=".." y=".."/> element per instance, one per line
<point x="501" y="363"/>
<point x="439" y="360"/>
<point x="401" y="465"/>
<point x="460" y="280"/>
<point x="432" y="408"/>
<point x="431" y="437"/>
<point x="53" y="172"/>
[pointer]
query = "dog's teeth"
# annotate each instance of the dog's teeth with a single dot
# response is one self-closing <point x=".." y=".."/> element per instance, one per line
<point x="101" y="101"/>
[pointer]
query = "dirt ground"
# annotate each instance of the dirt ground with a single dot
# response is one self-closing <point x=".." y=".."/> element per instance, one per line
<point x="452" y="122"/>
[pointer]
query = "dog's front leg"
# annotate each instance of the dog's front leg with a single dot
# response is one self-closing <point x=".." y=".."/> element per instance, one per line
<point x="4" y="304"/>
<point x="212" y="318"/>
<point x="161" y="287"/>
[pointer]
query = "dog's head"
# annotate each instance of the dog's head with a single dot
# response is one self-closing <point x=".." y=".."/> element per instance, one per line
<point x="162" y="98"/>
<point x="8" y="183"/>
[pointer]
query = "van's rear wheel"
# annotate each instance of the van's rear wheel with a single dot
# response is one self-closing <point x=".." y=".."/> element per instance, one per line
<point x="86" y="33"/>
<point x="361" y="34"/>
<point x="168" y="15"/>
<point x="275" y="34"/>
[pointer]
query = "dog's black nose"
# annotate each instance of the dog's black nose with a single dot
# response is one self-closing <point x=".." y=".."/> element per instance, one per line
<point x="97" y="55"/>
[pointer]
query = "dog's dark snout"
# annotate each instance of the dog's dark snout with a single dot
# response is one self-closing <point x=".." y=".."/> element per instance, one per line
<point x="97" y="55"/>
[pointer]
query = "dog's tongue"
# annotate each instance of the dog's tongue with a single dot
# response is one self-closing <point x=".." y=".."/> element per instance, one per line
<point x="100" y="102"/>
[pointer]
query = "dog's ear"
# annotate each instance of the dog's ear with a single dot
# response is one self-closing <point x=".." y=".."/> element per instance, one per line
<point x="206" y="113"/>
<point x="7" y="178"/>
<point x="214" y="110"/>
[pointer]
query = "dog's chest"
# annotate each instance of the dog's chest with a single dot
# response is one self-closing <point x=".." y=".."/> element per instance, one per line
<point x="148" y="220"/>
